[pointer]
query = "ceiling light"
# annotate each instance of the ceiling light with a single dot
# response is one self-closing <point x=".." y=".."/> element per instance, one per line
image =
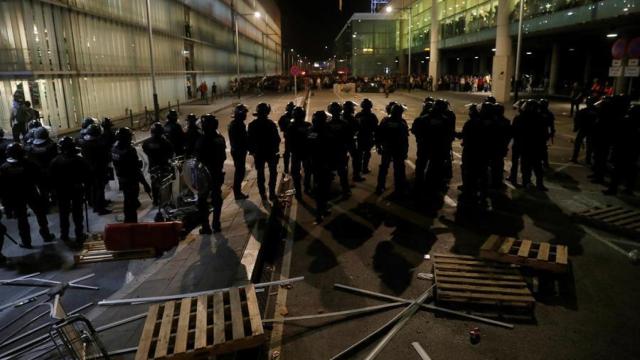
<point x="612" y="35"/>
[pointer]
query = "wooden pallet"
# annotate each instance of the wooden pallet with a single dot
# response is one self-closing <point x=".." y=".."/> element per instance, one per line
<point x="541" y="256"/>
<point x="613" y="218"/>
<point x="468" y="280"/>
<point x="95" y="251"/>
<point x="207" y="325"/>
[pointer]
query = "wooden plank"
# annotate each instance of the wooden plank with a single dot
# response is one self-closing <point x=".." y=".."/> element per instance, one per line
<point x="493" y="297"/>
<point x="254" y="311"/>
<point x="481" y="281"/>
<point x="543" y="252"/>
<point x="460" y="261"/>
<point x="165" y="330"/>
<point x="478" y="275"/>
<point x="596" y="211"/>
<point x="614" y="220"/>
<point x="201" y="322"/>
<point x="147" y="333"/>
<point x="607" y="215"/>
<point x="506" y="245"/>
<point x="627" y="221"/>
<point x="562" y="255"/>
<point x="183" y="326"/>
<point x="454" y="256"/>
<point x="218" y="319"/>
<point x="524" y="248"/>
<point x="479" y="269"/>
<point x="484" y="289"/>
<point x="492" y="243"/>
<point x="237" y="320"/>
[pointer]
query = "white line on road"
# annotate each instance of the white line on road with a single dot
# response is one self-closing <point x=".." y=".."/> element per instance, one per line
<point x="605" y="241"/>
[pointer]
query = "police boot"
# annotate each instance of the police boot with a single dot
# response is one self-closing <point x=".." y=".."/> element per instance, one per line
<point x="47" y="236"/>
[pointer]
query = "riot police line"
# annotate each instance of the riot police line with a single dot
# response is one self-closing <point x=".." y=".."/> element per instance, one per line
<point x="36" y="172"/>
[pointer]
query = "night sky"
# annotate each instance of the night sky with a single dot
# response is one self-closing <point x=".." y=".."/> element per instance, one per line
<point x="309" y="25"/>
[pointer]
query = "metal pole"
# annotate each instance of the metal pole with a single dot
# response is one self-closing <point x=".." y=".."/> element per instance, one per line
<point x="410" y="44"/>
<point x="295" y="86"/>
<point x="264" y="70"/>
<point x="235" y="21"/>
<point x="156" y="107"/>
<point x="518" y="49"/>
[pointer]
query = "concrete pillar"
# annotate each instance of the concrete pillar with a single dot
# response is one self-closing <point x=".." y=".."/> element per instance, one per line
<point x="553" y="68"/>
<point x="434" y="53"/>
<point x="503" y="59"/>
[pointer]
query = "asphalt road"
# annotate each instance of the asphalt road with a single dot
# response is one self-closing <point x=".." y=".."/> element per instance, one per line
<point x="378" y="243"/>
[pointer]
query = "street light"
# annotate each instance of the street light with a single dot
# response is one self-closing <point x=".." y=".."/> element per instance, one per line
<point x="389" y="9"/>
<point x="257" y="15"/>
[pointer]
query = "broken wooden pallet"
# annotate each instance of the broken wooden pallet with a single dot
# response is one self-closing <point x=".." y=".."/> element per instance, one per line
<point x="541" y="256"/>
<point x="95" y="251"/>
<point x="205" y="325"/>
<point x="613" y="218"/>
<point x="465" y="279"/>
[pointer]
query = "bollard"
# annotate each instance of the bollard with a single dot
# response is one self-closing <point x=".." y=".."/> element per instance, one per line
<point x="131" y="117"/>
<point x="169" y="105"/>
<point x="178" y="105"/>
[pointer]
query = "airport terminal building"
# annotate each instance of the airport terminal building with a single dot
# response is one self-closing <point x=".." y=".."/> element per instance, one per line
<point x="563" y="42"/>
<point x="77" y="58"/>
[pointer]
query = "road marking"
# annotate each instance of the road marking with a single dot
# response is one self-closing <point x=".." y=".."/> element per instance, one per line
<point x="448" y="200"/>
<point x="605" y="241"/>
<point x="275" y="345"/>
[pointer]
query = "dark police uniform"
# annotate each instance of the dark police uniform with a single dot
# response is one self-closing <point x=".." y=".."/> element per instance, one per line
<point x="211" y="153"/>
<point x="129" y="172"/>
<point x="175" y="133"/>
<point x="96" y="151"/>
<point x="69" y="176"/>
<point x="238" y="139"/>
<point x="319" y="140"/>
<point x="283" y="123"/>
<point x="366" y="136"/>
<point x="264" y="145"/>
<point x="296" y="140"/>
<point x="392" y="138"/>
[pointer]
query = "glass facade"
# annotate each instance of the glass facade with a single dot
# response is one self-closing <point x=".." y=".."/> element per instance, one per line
<point x="77" y="58"/>
<point x="369" y="46"/>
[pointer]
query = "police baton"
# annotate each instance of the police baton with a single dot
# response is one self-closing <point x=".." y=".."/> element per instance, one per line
<point x="10" y="238"/>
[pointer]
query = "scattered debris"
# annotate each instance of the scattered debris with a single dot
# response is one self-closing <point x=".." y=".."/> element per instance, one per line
<point x="424" y="306"/>
<point x="474" y="335"/>
<point x="613" y="218"/>
<point x="634" y="256"/>
<point x="96" y="251"/>
<point x="346" y="313"/>
<point x="425" y="276"/>
<point x="468" y="280"/>
<point x="540" y="256"/>
<point x="420" y="350"/>
<point x="427" y="257"/>
<point x="218" y="323"/>
<point x="275" y="354"/>
<point x="194" y="294"/>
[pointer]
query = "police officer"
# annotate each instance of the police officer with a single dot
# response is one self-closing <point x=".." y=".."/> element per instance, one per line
<point x="319" y="140"/>
<point x="238" y="139"/>
<point x="192" y="135"/>
<point x="32" y="127"/>
<point x="159" y="152"/>
<point x="475" y="155"/>
<point x="3" y="233"/>
<point x="434" y="135"/>
<point x="283" y="123"/>
<point x="108" y="132"/>
<point x="427" y="105"/>
<point x="264" y="145"/>
<point x="42" y="151"/>
<point x="583" y="124"/>
<point x="98" y="154"/>
<point x="296" y="139"/>
<point x="550" y="121"/>
<point x="499" y="138"/>
<point x="518" y="135"/>
<point x="392" y="140"/>
<point x="88" y="121"/>
<point x="365" y="138"/>
<point x="174" y="132"/>
<point x="211" y="153"/>
<point x="70" y="176"/>
<point x="348" y="116"/>
<point x="625" y="153"/>
<point x="339" y="151"/>
<point x="129" y="172"/>
<point x="19" y="179"/>
<point x="534" y="143"/>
